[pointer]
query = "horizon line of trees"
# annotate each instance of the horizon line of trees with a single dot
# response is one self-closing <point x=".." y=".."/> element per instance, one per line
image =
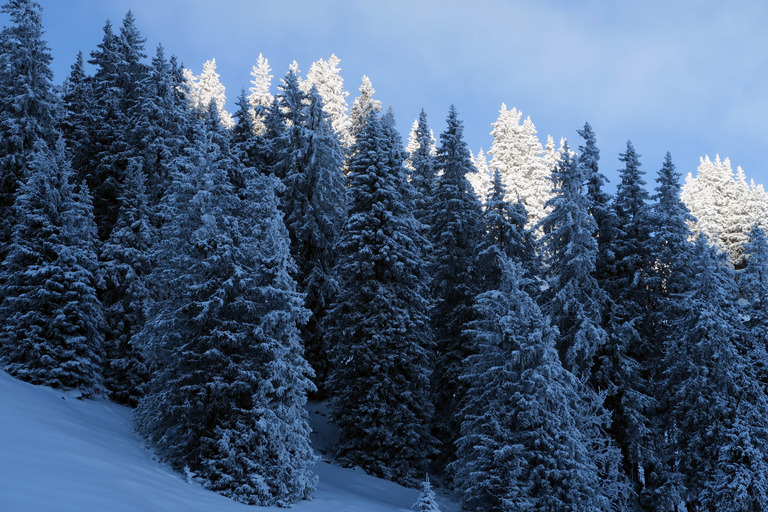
<point x="547" y="347"/>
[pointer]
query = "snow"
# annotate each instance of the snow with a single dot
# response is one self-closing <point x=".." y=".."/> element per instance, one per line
<point x="58" y="452"/>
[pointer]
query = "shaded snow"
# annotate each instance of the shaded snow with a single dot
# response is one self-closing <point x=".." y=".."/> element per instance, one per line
<point x="64" y="454"/>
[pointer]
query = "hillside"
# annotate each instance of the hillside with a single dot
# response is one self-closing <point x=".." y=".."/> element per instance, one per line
<point x="64" y="454"/>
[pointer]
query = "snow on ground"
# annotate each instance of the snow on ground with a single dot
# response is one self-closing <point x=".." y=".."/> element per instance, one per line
<point x="60" y="453"/>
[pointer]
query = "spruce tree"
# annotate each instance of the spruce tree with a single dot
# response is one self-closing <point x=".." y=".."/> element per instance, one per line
<point x="573" y="298"/>
<point x="421" y="164"/>
<point x="260" y="99"/>
<point x="28" y="105"/>
<point x="50" y="318"/>
<point x="308" y="159"/>
<point x="226" y="399"/>
<point x="124" y="266"/>
<point x="455" y="229"/>
<point x="325" y="76"/>
<point x="715" y="411"/>
<point x="381" y="343"/>
<point x="363" y="105"/>
<point x="427" y="501"/>
<point x="207" y="88"/>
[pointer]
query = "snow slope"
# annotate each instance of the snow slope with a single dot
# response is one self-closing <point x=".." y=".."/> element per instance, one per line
<point x="59" y="453"/>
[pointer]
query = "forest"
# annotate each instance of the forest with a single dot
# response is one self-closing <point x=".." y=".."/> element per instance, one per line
<point x="502" y="323"/>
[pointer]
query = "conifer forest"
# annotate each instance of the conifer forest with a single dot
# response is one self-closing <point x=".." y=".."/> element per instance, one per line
<point x="501" y="322"/>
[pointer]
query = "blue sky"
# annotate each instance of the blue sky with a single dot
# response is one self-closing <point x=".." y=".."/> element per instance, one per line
<point x="683" y="76"/>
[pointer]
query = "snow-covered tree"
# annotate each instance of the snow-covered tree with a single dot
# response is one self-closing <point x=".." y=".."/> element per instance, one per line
<point x="225" y="403"/>
<point x="721" y="203"/>
<point x="124" y="266"/>
<point x="573" y="298"/>
<point x="524" y="441"/>
<point x="362" y="106"/>
<point x="260" y="97"/>
<point x="307" y="158"/>
<point x="715" y="409"/>
<point x="427" y="501"/>
<point x="422" y="167"/>
<point x="325" y="75"/>
<point x="481" y="180"/>
<point x="517" y="153"/>
<point x="381" y="343"/>
<point x="50" y="318"/>
<point x="207" y="88"/>
<point x="27" y="102"/>
<point x="455" y="231"/>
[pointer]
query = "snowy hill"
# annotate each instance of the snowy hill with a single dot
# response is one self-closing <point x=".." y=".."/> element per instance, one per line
<point x="64" y="454"/>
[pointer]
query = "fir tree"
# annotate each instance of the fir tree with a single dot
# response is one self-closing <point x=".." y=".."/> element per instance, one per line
<point x="325" y="76"/>
<point x="573" y="298"/>
<point x="308" y="159"/>
<point x="27" y="103"/>
<point x="363" y="105"/>
<point x="51" y="320"/>
<point x="206" y="89"/>
<point x="427" y="501"/>
<point x="125" y="264"/>
<point x="455" y="227"/>
<point x="225" y="402"/>
<point x="260" y="99"/>
<point x="421" y="163"/>
<point x="381" y="342"/>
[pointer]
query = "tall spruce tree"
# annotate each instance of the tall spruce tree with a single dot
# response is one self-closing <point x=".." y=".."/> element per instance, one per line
<point x="226" y="399"/>
<point x="307" y="158"/>
<point x="50" y="318"/>
<point x="28" y="105"/>
<point x="573" y="298"/>
<point x="714" y="418"/>
<point x="381" y="342"/>
<point x="524" y="441"/>
<point x="455" y="229"/>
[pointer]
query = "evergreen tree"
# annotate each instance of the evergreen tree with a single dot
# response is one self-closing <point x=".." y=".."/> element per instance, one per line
<point x="325" y="76"/>
<point x="523" y="444"/>
<point x="226" y="399"/>
<point x="482" y="179"/>
<point x="715" y="412"/>
<point x="625" y="360"/>
<point x="455" y="228"/>
<point x="573" y="298"/>
<point x="260" y="99"/>
<point x="518" y="155"/>
<point x="421" y="164"/>
<point x="206" y="89"/>
<point x="381" y="343"/>
<point x="308" y="160"/>
<point x="50" y="318"/>
<point x="505" y="236"/>
<point x="27" y="103"/>
<point x="363" y="105"/>
<point x="427" y="501"/>
<point x="666" y="278"/>
<point x="124" y="267"/>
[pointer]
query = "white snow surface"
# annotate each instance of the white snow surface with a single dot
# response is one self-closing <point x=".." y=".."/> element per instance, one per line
<point x="60" y="453"/>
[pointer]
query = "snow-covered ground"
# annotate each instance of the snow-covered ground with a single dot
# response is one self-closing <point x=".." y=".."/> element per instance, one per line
<point x="60" y="453"/>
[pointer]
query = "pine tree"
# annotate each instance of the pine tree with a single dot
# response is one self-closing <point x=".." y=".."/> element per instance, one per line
<point x="715" y="413"/>
<point x="427" y="501"/>
<point x="51" y="320"/>
<point x="260" y="98"/>
<point x="421" y="164"/>
<point x="518" y="155"/>
<point x="326" y="77"/>
<point x="125" y="264"/>
<point x="505" y="236"/>
<point x="455" y="228"/>
<point x="523" y="443"/>
<point x="363" y="105"/>
<point x="573" y="298"/>
<point x="381" y="343"/>
<point x="308" y="160"/>
<point x="27" y="103"/>
<point x="207" y="88"/>
<point x="226" y="399"/>
<point x="666" y="278"/>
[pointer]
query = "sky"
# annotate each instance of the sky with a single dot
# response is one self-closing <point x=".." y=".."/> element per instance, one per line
<point x="681" y="76"/>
